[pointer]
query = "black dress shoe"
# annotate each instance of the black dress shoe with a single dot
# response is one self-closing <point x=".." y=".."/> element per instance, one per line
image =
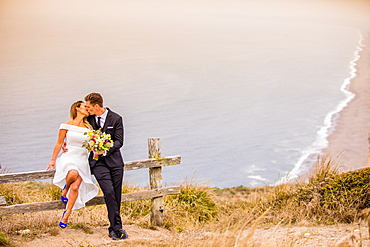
<point x="122" y="234"/>
<point x="113" y="235"/>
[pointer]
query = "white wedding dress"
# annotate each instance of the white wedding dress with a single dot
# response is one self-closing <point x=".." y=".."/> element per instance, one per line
<point x="75" y="158"/>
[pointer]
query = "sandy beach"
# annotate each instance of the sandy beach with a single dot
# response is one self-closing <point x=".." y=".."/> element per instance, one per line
<point x="349" y="140"/>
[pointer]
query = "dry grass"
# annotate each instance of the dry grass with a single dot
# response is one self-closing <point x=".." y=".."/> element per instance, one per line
<point x="204" y="216"/>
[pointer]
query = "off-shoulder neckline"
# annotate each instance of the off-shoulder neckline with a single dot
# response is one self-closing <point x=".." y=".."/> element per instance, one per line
<point x="75" y="126"/>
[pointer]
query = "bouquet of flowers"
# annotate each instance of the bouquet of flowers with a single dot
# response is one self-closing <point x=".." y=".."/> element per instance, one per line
<point x="97" y="141"/>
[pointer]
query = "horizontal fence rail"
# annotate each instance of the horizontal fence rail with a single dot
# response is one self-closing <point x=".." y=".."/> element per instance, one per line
<point x="130" y="165"/>
<point x="98" y="200"/>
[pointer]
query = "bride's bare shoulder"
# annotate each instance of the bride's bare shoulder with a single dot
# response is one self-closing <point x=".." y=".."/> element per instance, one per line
<point x="69" y="122"/>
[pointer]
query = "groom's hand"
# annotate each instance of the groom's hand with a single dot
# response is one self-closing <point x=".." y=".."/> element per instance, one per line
<point x="64" y="148"/>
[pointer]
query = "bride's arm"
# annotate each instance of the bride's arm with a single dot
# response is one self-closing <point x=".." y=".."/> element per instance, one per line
<point x="57" y="147"/>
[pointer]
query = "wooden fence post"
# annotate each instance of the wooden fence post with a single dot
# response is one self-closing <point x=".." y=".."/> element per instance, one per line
<point x="155" y="176"/>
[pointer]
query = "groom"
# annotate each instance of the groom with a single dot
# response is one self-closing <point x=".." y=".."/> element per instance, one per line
<point x="108" y="169"/>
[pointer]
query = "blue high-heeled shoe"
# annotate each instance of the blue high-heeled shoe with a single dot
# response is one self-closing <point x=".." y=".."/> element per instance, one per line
<point x="62" y="198"/>
<point x="61" y="224"/>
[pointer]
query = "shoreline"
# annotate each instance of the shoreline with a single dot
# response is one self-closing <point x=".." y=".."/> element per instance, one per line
<point x="348" y="143"/>
<point x="349" y="138"/>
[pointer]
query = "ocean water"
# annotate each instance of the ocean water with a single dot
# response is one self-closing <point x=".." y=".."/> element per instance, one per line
<point x="241" y="92"/>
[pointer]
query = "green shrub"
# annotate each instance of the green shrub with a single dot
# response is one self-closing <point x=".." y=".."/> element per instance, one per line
<point x="347" y="190"/>
<point x="351" y="190"/>
<point x="194" y="202"/>
<point x="10" y="195"/>
<point x="327" y="197"/>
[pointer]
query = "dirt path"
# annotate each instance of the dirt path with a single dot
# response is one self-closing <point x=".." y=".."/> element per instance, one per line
<point x="98" y="238"/>
<point x="335" y="235"/>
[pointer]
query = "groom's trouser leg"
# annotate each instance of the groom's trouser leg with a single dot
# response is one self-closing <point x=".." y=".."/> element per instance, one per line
<point x="110" y="182"/>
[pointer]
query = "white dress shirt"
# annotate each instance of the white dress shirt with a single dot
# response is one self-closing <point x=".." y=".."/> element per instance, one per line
<point x="103" y="117"/>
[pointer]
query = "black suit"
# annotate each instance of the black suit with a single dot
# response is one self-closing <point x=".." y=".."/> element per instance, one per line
<point x="108" y="170"/>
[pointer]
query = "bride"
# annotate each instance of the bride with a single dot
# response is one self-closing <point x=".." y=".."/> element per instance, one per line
<point x="73" y="173"/>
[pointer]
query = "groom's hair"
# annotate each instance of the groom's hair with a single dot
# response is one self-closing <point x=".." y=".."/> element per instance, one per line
<point x="94" y="98"/>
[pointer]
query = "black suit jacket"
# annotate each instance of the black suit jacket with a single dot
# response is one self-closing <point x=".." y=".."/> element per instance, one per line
<point x="114" y="126"/>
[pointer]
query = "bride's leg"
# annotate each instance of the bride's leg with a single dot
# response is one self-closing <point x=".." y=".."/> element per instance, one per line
<point x="73" y="194"/>
<point x="70" y="178"/>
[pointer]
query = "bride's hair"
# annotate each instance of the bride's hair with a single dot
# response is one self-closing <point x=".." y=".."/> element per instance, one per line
<point x="87" y="124"/>
<point x="73" y="113"/>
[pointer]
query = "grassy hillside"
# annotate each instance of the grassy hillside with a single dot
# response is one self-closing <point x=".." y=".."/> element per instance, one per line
<point x="328" y="197"/>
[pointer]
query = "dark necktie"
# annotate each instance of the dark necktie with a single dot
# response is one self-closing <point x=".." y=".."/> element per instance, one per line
<point x="99" y="126"/>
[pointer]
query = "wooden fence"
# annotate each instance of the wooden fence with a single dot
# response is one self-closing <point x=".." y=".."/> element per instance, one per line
<point x="154" y="162"/>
